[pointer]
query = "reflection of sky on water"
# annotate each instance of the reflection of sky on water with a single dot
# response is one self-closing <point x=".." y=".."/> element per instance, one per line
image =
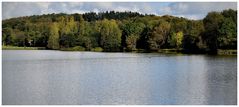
<point x="117" y="78"/>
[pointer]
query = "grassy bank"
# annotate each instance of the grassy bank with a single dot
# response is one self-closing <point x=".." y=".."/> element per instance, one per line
<point x="219" y="51"/>
<point x="170" y="51"/>
<point x="79" y="48"/>
<point x="226" y="52"/>
<point x="22" y="48"/>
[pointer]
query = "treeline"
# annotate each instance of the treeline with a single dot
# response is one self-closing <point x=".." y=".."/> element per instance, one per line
<point x="123" y="31"/>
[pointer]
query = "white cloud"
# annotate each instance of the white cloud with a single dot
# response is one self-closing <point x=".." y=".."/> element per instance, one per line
<point x="193" y="16"/>
<point x="96" y="10"/>
<point x="166" y="10"/>
<point x="122" y="9"/>
<point x="104" y="5"/>
<point x="76" y="4"/>
<point x="195" y="10"/>
<point x="43" y="7"/>
<point x="201" y="7"/>
<point x="181" y="7"/>
<point x="15" y="10"/>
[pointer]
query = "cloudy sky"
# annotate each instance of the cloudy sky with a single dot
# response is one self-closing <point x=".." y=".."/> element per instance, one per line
<point x="191" y="10"/>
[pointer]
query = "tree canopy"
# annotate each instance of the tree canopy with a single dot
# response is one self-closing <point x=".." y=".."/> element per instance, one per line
<point x="123" y="31"/>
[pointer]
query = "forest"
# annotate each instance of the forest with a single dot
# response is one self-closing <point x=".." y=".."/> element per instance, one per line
<point x="112" y="31"/>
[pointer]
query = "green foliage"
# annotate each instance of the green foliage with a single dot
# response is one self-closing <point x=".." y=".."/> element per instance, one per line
<point x="133" y="28"/>
<point x="227" y="34"/>
<point x="7" y="36"/>
<point x="97" y="49"/>
<point x="76" y="48"/>
<point x="195" y="28"/>
<point x="220" y="30"/>
<point x="179" y="24"/>
<point x="131" y="42"/>
<point x="19" y="38"/>
<point x="232" y="14"/>
<point x="21" y="48"/>
<point x="53" y="41"/>
<point x="131" y="33"/>
<point x="87" y="43"/>
<point x="91" y="16"/>
<point x="176" y="40"/>
<point x="115" y="31"/>
<point x="212" y="23"/>
<point x="195" y="32"/>
<point x="110" y="35"/>
<point x="67" y="40"/>
<point x="159" y="35"/>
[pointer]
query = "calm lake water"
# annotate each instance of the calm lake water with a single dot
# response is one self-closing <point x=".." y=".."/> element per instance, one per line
<point x="57" y="77"/>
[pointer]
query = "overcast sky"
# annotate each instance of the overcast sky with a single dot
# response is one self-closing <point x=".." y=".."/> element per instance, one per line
<point x="191" y="10"/>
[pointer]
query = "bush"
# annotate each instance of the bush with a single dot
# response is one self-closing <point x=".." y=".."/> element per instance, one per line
<point x="97" y="49"/>
<point x="76" y="48"/>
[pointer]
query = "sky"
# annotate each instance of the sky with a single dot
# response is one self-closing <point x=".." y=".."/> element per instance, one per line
<point x="190" y="10"/>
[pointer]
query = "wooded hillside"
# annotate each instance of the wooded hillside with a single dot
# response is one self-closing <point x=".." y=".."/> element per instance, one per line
<point x="123" y="31"/>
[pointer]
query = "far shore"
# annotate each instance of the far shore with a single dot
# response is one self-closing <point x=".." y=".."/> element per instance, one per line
<point x="22" y="48"/>
<point x="166" y="51"/>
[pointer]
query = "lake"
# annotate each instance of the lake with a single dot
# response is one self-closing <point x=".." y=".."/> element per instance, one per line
<point x="59" y="77"/>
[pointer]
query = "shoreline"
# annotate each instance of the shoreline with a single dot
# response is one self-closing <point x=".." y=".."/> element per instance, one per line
<point x="165" y="51"/>
<point x="22" y="48"/>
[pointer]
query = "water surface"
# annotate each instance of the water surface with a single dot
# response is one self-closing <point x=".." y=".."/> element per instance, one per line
<point x="57" y="77"/>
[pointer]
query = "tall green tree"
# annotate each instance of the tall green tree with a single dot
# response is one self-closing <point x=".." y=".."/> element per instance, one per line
<point x="131" y="33"/>
<point x="53" y="41"/>
<point x="19" y="38"/>
<point x="159" y="35"/>
<point x="131" y="42"/>
<point x="7" y="36"/>
<point x="212" y="23"/>
<point x="176" y="40"/>
<point x="232" y="14"/>
<point x="193" y="39"/>
<point x="110" y="38"/>
<point x="228" y="34"/>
